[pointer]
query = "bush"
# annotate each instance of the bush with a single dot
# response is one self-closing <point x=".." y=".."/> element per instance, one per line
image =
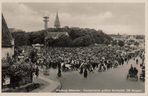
<point x="20" y="74"/>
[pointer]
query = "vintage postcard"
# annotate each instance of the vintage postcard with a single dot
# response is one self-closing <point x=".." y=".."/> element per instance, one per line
<point x="73" y="47"/>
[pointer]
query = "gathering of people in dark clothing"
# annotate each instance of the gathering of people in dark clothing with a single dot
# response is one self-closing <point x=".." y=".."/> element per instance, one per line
<point x="84" y="59"/>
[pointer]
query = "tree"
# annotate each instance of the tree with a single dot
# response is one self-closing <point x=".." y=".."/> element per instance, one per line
<point x="76" y="32"/>
<point x="20" y="38"/>
<point x="20" y="74"/>
<point x="50" y="42"/>
<point x="82" y="41"/>
<point x="63" y="41"/>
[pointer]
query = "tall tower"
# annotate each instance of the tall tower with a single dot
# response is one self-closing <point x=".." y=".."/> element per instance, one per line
<point x="46" y="19"/>
<point x="57" y="22"/>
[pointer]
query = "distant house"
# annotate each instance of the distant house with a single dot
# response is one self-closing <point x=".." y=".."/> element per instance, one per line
<point x="55" y="35"/>
<point x="7" y="40"/>
<point x="38" y="46"/>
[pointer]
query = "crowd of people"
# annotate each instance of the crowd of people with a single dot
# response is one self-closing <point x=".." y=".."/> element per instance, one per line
<point x="82" y="59"/>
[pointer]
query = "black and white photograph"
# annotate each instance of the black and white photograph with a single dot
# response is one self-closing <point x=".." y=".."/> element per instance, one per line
<point x="80" y="47"/>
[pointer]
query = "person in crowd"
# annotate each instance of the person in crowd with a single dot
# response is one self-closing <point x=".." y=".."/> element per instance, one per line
<point x="85" y="73"/>
<point x="131" y="70"/>
<point x="37" y="72"/>
<point x="81" y="70"/>
<point x="136" y="61"/>
<point x="135" y="71"/>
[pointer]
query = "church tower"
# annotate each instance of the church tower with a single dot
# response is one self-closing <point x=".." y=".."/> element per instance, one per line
<point x="57" y="22"/>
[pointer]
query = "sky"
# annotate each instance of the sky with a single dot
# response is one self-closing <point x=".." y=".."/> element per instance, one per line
<point x="112" y="18"/>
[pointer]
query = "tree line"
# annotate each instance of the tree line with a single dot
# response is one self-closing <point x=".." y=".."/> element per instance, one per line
<point x="77" y="37"/>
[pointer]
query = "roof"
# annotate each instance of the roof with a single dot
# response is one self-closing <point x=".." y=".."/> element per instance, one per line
<point x="55" y="35"/>
<point x="6" y="35"/>
<point x="37" y="45"/>
<point x="57" y="21"/>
